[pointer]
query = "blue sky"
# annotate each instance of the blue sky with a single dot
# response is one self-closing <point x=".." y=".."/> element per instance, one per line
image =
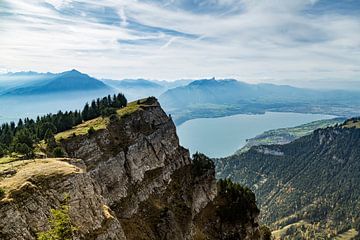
<point x="300" y="42"/>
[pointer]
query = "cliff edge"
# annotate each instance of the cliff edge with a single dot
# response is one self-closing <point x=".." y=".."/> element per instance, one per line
<point x="127" y="178"/>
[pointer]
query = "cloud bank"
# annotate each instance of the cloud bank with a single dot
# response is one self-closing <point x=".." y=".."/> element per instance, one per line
<point x="281" y="41"/>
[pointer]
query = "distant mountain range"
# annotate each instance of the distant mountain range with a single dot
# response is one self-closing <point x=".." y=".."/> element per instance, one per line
<point x="183" y="99"/>
<point x="308" y="186"/>
<point x="54" y="83"/>
<point x="33" y="83"/>
<point x="215" y="98"/>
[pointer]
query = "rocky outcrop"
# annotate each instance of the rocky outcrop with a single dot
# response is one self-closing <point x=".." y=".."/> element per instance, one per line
<point x="131" y="180"/>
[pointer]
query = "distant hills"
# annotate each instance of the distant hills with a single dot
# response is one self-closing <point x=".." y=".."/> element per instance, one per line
<point x="287" y="135"/>
<point x="183" y="99"/>
<point x="308" y="186"/>
<point x="54" y="83"/>
<point x="215" y="98"/>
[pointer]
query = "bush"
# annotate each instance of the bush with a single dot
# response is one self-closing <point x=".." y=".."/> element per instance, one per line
<point x="91" y="131"/>
<point x="106" y="112"/>
<point x="24" y="149"/>
<point x="239" y="202"/>
<point x="58" y="152"/>
<point x="265" y="233"/>
<point x="114" y="118"/>
<point x="61" y="226"/>
<point x="201" y="164"/>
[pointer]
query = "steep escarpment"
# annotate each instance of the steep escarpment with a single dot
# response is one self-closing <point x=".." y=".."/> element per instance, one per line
<point x="309" y="186"/>
<point x="125" y="178"/>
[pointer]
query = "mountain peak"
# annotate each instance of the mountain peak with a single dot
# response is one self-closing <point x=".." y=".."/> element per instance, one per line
<point x="72" y="72"/>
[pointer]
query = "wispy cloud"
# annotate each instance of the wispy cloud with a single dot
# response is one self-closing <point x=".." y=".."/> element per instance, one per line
<point x="277" y="40"/>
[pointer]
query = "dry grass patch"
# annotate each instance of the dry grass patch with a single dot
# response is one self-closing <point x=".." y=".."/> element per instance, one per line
<point x="36" y="169"/>
<point x="351" y="124"/>
<point x="352" y="233"/>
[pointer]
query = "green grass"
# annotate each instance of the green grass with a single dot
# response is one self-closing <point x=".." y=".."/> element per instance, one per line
<point x="129" y="109"/>
<point x="7" y="159"/>
<point x="100" y="122"/>
<point x="82" y="129"/>
<point x="11" y="158"/>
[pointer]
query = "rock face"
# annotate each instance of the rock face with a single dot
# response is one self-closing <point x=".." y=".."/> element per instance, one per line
<point x="131" y="180"/>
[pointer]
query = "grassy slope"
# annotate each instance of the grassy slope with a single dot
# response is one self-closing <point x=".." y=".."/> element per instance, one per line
<point x="10" y="162"/>
<point x="352" y="123"/>
<point x="286" y="135"/>
<point x="100" y="122"/>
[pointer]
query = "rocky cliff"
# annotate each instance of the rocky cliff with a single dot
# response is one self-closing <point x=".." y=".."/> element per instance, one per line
<point x="129" y="179"/>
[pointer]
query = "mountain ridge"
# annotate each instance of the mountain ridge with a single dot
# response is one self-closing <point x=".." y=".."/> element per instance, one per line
<point x="72" y="80"/>
<point x="310" y="180"/>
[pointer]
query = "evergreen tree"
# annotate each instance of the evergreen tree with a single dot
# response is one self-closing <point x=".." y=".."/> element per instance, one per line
<point x="85" y="112"/>
<point x="50" y="139"/>
<point x="2" y="150"/>
<point x="23" y="136"/>
<point x="24" y="149"/>
<point x="20" y="123"/>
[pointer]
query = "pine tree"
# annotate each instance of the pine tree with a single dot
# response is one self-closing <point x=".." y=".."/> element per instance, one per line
<point x="85" y="112"/>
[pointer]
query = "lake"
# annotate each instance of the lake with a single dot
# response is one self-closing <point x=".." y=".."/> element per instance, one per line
<point x="221" y="137"/>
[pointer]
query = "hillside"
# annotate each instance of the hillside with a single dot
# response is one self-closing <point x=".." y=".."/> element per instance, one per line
<point x="287" y="135"/>
<point x="309" y="186"/>
<point x="124" y="177"/>
<point x="56" y="83"/>
<point x="216" y="98"/>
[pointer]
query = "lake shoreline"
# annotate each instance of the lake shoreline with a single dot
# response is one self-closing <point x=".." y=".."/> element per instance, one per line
<point x="223" y="136"/>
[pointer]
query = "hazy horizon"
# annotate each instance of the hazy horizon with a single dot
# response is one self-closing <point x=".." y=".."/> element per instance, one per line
<point x="5" y="77"/>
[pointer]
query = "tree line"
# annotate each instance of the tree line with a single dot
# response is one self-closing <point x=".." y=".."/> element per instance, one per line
<point x="22" y="136"/>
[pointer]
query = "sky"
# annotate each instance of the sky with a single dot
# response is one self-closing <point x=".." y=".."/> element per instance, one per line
<point x="298" y="42"/>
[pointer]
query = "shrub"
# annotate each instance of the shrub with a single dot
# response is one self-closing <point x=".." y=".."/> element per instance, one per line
<point x="24" y="149"/>
<point x="91" y="131"/>
<point x="114" y="118"/>
<point x="106" y="112"/>
<point x="265" y="233"/>
<point x="201" y="164"/>
<point x="61" y="226"/>
<point x="239" y="202"/>
<point x="58" y="152"/>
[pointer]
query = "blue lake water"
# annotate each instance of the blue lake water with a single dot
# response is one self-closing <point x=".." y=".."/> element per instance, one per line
<point x="220" y="137"/>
